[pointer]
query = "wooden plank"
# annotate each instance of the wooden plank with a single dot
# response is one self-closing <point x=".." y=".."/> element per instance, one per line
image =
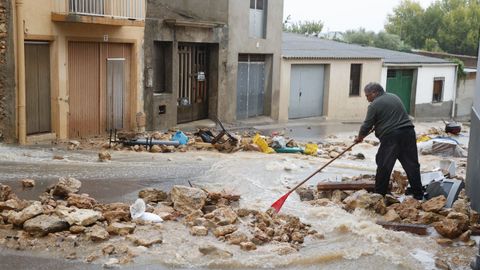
<point x="350" y="185"/>
<point x="420" y="229"/>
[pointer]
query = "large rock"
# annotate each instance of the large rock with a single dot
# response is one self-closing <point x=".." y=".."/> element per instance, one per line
<point x="97" y="233"/>
<point x="224" y="230"/>
<point x="461" y="206"/>
<point x="187" y="199"/>
<point x="449" y="228"/>
<point x="30" y="212"/>
<point x="5" y="192"/>
<point x="118" y="228"/>
<point x="66" y="186"/>
<point x="146" y="237"/>
<point x="153" y="195"/>
<point x="434" y="204"/>
<point x="81" y="201"/>
<point x="224" y="216"/>
<point x="83" y="217"/>
<point x="213" y="251"/>
<point x="44" y="224"/>
<point x="12" y="204"/>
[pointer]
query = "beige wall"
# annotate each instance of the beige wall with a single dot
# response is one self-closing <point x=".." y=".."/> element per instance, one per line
<point x="337" y="102"/>
<point x="39" y="26"/>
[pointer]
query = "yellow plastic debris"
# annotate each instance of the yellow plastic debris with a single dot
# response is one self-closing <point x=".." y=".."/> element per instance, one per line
<point x="262" y="144"/>
<point x="423" y="138"/>
<point x="311" y="149"/>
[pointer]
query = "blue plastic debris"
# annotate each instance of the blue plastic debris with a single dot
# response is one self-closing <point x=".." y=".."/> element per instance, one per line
<point x="180" y="137"/>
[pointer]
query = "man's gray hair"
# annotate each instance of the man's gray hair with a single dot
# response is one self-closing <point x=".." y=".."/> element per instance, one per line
<point x="374" y="87"/>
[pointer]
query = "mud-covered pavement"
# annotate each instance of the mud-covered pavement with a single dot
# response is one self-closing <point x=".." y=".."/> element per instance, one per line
<point x="351" y="240"/>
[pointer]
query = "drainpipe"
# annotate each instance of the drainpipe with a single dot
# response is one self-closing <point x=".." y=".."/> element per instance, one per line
<point x="21" y="98"/>
<point x="455" y="92"/>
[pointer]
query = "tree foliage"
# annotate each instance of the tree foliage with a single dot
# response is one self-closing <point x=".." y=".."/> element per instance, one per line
<point x="449" y="25"/>
<point x="369" y="38"/>
<point x="303" y="27"/>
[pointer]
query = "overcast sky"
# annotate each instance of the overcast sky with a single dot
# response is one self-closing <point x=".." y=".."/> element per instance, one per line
<point x="341" y="15"/>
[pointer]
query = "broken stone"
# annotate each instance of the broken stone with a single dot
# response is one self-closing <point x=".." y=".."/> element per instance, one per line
<point x="391" y="216"/>
<point x="285" y="250"/>
<point x="243" y="212"/>
<point x="72" y="145"/>
<point x="75" y="229"/>
<point x="390" y="199"/>
<point x="108" y="249"/>
<point x="167" y="148"/>
<point x="155" y="149"/>
<point x="117" y="228"/>
<point x="248" y="246"/>
<point x="28" y="183"/>
<point x="236" y="238"/>
<point x="5" y="192"/>
<point x="198" y="231"/>
<point x="190" y="218"/>
<point x="30" y="212"/>
<point x="187" y="199"/>
<point x="252" y="147"/>
<point x="461" y="206"/>
<point x="444" y="241"/>
<point x="450" y="228"/>
<point x="152" y="195"/>
<point x="83" y="217"/>
<point x="428" y="217"/>
<point x="224" y="230"/>
<point x="12" y="204"/>
<point x="338" y="196"/>
<point x="298" y="237"/>
<point x="117" y="215"/>
<point x="305" y="194"/>
<point x="145" y="237"/>
<point x="474" y="217"/>
<point x="44" y="224"/>
<point x="97" y="233"/>
<point x="224" y="215"/>
<point x="465" y="237"/>
<point x="81" y="201"/>
<point x="214" y="251"/>
<point x="104" y="156"/>
<point x="66" y="186"/>
<point x="333" y="154"/>
<point x="434" y="204"/>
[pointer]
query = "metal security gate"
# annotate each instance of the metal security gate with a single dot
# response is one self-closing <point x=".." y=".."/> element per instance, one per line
<point x="192" y="82"/>
<point x="250" y="86"/>
<point x="399" y="82"/>
<point x="115" y="92"/>
<point x="37" y="78"/>
<point x="306" y="91"/>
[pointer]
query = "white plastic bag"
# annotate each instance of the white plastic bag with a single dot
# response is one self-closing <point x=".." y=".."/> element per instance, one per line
<point x="137" y="211"/>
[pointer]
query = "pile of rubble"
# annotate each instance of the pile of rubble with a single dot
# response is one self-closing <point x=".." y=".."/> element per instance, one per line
<point x="457" y="222"/>
<point x="65" y="216"/>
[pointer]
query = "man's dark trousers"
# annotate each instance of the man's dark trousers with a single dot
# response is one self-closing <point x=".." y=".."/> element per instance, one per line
<point x="399" y="144"/>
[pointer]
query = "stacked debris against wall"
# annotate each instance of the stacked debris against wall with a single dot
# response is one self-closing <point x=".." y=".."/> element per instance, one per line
<point x="7" y="73"/>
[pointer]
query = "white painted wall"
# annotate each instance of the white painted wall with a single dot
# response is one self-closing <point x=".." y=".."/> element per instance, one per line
<point x="425" y="78"/>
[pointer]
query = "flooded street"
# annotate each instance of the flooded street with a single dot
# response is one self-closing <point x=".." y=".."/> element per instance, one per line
<point x="352" y="240"/>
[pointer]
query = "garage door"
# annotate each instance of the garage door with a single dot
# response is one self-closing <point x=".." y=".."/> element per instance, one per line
<point x="306" y="91"/>
<point x="98" y="80"/>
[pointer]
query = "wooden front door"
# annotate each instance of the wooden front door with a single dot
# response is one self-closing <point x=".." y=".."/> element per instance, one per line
<point x="399" y="82"/>
<point x="37" y="78"/>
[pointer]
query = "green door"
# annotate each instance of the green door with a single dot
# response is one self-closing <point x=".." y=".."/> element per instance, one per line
<point x="399" y="82"/>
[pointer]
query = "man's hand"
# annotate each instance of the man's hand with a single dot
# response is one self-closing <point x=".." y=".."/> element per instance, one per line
<point x="359" y="139"/>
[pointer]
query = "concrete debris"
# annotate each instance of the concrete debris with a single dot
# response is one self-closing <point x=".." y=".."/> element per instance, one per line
<point x="83" y="217"/>
<point x="248" y="246"/>
<point x="5" y="193"/>
<point x="434" y="204"/>
<point x="117" y="228"/>
<point x="30" y="212"/>
<point x="224" y="230"/>
<point x="198" y="231"/>
<point x="97" y="233"/>
<point x="81" y="201"/>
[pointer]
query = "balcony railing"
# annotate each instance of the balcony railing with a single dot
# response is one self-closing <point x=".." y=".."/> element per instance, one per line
<point x="121" y="9"/>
